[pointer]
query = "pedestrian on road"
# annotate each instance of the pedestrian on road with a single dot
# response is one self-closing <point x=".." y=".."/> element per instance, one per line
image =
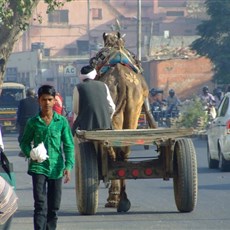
<point x="27" y="108"/>
<point x="1" y="141"/>
<point x="92" y="103"/>
<point x="58" y="106"/>
<point x="8" y="204"/>
<point x="48" y="166"/>
<point x="8" y="198"/>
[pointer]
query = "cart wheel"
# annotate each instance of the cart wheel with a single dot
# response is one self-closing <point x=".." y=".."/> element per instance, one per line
<point x="212" y="164"/>
<point x="86" y="179"/>
<point x="223" y="164"/>
<point x="185" y="179"/>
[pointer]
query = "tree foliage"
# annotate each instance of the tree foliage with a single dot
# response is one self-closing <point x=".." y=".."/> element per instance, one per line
<point x="214" y="41"/>
<point x="15" y="16"/>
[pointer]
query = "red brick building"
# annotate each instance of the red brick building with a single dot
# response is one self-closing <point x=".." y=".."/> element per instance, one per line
<point x="186" y="76"/>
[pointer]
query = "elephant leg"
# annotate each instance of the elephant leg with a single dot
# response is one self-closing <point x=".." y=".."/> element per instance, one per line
<point x="114" y="194"/>
<point x="150" y="118"/>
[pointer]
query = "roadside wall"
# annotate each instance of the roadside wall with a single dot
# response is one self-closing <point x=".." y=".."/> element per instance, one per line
<point x="185" y="76"/>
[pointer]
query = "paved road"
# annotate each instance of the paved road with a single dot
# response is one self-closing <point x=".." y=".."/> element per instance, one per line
<point x="153" y="206"/>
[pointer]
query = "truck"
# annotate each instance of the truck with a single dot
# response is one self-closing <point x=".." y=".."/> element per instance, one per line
<point x="10" y="95"/>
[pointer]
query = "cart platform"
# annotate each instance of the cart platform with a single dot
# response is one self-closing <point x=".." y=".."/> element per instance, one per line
<point x="127" y="137"/>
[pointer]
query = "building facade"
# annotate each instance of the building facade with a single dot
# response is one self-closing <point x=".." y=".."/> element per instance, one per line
<point x="66" y="38"/>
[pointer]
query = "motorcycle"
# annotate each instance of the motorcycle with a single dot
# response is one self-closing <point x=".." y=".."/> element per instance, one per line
<point x="210" y="110"/>
<point x="165" y="117"/>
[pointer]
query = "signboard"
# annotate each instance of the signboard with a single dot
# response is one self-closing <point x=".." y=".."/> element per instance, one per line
<point x="69" y="70"/>
<point x="11" y="74"/>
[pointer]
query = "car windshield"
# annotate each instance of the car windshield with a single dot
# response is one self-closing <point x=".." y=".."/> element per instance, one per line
<point x="10" y="97"/>
<point x="224" y="107"/>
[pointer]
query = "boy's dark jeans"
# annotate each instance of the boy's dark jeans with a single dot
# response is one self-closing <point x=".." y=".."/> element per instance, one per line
<point x="47" y="199"/>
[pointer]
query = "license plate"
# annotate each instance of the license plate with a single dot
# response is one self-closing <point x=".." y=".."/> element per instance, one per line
<point x="142" y="118"/>
<point x="7" y="123"/>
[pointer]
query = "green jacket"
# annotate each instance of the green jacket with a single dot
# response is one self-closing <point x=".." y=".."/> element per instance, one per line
<point x="55" y="136"/>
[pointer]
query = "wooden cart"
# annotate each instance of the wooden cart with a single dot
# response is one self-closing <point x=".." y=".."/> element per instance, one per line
<point x="176" y="158"/>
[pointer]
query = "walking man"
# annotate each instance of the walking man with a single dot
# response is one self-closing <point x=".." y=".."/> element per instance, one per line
<point x="49" y="133"/>
<point x="27" y="108"/>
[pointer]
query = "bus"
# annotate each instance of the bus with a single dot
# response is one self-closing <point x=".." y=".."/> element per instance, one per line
<point x="10" y="95"/>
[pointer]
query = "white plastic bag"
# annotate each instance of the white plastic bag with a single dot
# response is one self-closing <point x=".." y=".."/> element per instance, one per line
<point x="39" y="153"/>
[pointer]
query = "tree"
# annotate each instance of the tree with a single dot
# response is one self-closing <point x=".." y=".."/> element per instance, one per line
<point x="15" y="16"/>
<point x="215" y="39"/>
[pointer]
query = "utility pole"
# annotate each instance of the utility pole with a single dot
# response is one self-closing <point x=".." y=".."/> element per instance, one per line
<point x="88" y="27"/>
<point x="139" y="29"/>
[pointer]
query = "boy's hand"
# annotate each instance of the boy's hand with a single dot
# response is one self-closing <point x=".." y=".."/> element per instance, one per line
<point x="66" y="176"/>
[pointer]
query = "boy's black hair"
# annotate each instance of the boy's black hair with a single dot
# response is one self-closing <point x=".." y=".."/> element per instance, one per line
<point x="46" y="89"/>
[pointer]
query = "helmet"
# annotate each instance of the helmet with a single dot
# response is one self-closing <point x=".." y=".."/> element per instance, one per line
<point x="171" y="92"/>
<point x="30" y="92"/>
<point x="205" y="89"/>
<point x="218" y="92"/>
<point x="153" y="92"/>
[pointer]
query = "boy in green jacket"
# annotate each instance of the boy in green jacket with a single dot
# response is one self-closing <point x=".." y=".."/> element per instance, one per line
<point x="53" y="130"/>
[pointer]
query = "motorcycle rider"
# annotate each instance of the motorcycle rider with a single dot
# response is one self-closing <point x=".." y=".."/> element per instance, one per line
<point x="156" y="103"/>
<point x="218" y="97"/>
<point x="207" y="98"/>
<point x="208" y="101"/>
<point x="172" y="102"/>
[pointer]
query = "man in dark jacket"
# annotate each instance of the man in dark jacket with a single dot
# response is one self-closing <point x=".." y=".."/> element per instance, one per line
<point x="27" y="108"/>
<point x="92" y="103"/>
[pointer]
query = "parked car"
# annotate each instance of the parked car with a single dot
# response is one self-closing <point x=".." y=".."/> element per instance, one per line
<point x="218" y="137"/>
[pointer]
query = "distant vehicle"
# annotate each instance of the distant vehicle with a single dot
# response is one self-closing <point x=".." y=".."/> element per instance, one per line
<point x="10" y="95"/>
<point x="142" y="121"/>
<point x="218" y="137"/>
<point x="143" y="124"/>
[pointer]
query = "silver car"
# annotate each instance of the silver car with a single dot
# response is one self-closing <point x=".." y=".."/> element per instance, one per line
<point x="218" y="137"/>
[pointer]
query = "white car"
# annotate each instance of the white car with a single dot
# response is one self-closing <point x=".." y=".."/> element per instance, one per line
<point x="218" y="137"/>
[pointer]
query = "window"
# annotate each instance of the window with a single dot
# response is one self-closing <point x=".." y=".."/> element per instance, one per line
<point x="96" y="13"/>
<point x="82" y="47"/>
<point x="44" y="65"/>
<point x="49" y="79"/>
<point x="224" y="107"/>
<point x="46" y="52"/>
<point x="72" y="51"/>
<point x="170" y="3"/>
<point x="59" y="16"/>
<point x="175" y="13"/>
